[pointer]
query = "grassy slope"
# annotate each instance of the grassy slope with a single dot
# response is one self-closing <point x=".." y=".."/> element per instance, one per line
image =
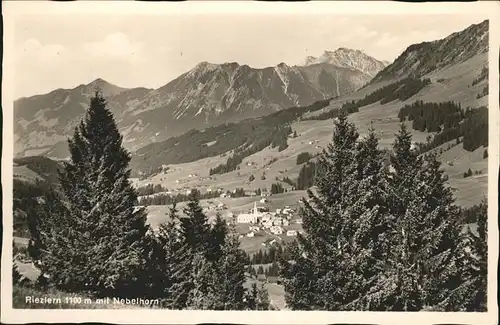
<point x="452" y="83"/>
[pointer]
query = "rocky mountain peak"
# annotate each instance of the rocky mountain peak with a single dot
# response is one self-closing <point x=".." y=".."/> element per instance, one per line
<point x="348" y="58"/>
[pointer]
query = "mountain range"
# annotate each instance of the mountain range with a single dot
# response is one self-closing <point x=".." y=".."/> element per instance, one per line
<point x="208" y="95"/>
<point x="227" y="154"/>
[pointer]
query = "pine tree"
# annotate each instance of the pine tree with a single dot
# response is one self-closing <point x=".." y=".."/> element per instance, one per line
<point x="422" y="267"/>
<point x="315" y="278"/>
<point x="472" y="264"/>
<point x="369" y="214"/>
<point x="194" y="226"/>
<point x="231" y="274"/>
<point x="94" y="236"/>
<point x="251" y="297"/>
<point x="216" y="238"/>
<point x="262" y="301"/>
<point x="169" y="274"/>
<point x="204" y="276"/>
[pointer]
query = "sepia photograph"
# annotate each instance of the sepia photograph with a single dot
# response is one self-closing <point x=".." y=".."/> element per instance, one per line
<point x="217" y="157"/>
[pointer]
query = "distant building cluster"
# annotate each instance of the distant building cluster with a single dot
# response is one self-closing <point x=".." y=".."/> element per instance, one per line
<point x="262" y="219"/>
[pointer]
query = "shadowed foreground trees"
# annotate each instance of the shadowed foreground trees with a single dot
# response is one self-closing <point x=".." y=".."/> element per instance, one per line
<point x="91" y="237"/>
<point x="378" y="238"/>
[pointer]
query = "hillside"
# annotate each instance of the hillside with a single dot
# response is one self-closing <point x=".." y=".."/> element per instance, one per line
<point x="32" y="176"/>
<point x="426" y="57"/>
<point x="207" y="95"/>
<point x="461" y="80"/>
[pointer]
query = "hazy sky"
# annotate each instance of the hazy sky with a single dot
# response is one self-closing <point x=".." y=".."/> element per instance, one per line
<point x="55" y="51"/>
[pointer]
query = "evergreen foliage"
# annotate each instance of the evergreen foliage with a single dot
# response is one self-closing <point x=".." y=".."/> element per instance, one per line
<point x="400" y="90"/>
<point x="277" y="188"/>
<point x="168" y="199"/>
<point x="93" y="237"/>
<point x="382" y="238"/>
<point x="432" y="117"/>
<point x="476" y="261"/>
<point x="241" y="139"/>
<point x="303" y="157"/>
<point x="306" y="176"/>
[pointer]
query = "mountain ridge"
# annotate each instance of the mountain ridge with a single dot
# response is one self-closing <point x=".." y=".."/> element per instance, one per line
<point x="206" y="95"/>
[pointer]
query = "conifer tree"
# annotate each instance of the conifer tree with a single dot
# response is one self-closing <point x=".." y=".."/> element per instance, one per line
<point x="472" y="264"/>
<point x="251" y="297"/>
<point x="216" y="238"/>
<point x="422" y="267"/>
<point x="315" y="278"/>
<point x="169" y="264"/>
<point x="218" y="285"/>
<point x="231" y="273"/>
<point x="194" y="226"/>
<point x="370" y="242"/>
<point x="95" y="238"/>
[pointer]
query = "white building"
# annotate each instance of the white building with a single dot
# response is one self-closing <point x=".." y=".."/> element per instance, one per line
<point x="285" y="223"/>
<point x="277" y="230"/>
<point x="278" y="211"/>
<point x="251" y="234"/>
<point x="291" y="233"/>
<point x="277" y="222"/>
<point x="252" y="217"/>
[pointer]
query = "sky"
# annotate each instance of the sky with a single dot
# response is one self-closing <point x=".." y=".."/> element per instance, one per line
<point x="56" y="51"/>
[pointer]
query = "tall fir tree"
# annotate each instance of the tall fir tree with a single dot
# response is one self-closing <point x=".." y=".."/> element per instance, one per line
<point x="95" y="237"/>
<point x="368" y="214"/>
<point x="194" y="225"/>
<point x="231" y="273"/>
<point x="472" y="263"/>
<point x="422" y="269"/>
<point x="168" y="264"/>
<point x="315" y="278"/>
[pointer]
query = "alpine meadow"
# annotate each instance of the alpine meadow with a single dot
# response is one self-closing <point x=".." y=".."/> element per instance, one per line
<point x="247" y="176"/>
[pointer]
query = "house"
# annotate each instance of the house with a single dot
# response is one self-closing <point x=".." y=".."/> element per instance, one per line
<point x="267" y="224"/>
<point x="285" y="222"/>
<point x="265" y="218"/>
<point x="264" y="200"/>
<point x="250" y="234"/>
<point x="278" y="211"/>
<point x="299" y="221"/>
<point x="277" y="230"/>
<point x="277" y="222"/>
<point x="291" y="233"/>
